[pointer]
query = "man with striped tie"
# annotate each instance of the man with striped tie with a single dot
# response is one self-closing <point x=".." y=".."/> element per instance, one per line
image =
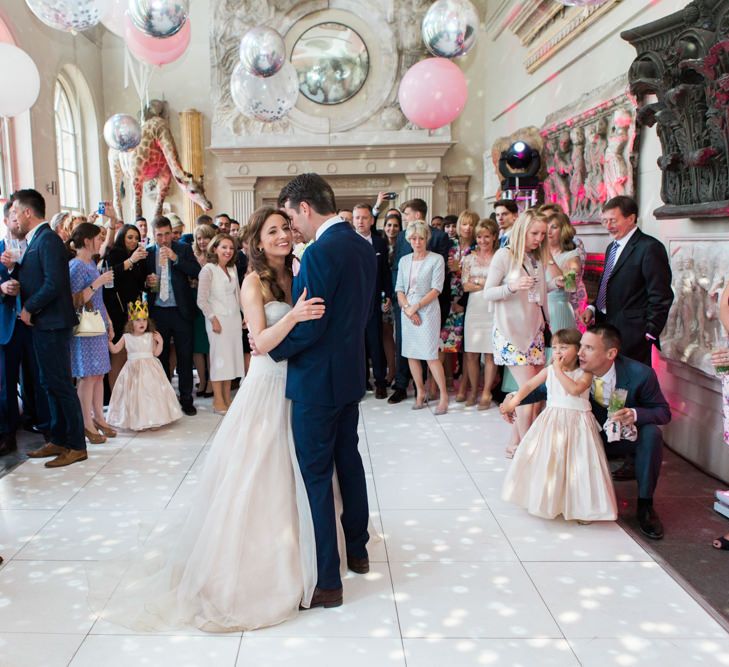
<point x="635" y="288"/>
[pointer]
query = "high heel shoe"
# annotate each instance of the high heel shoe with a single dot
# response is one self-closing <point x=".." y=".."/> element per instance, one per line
<point x="419" y="405"/>
<point x="471" y="401"/>
<point x="94" y="438"/>
<point x="440" y="411"/>
<point x="106" y="430"/>
<point x="485" y="403"/>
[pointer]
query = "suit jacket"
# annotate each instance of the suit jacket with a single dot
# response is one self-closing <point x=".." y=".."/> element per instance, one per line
<point x="327" y="356"/>
<point x="241" y="264"/>
<point x="639" y="293"/>
<point x="183" y="269"/>
<point x="8" y="305"/>
<point x="383" y="282"/>
<point x="644" y="393"/>
<point x="45" y="282"/>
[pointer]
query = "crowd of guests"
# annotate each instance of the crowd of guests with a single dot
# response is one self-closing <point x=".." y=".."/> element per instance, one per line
<point x="460" y="303"/>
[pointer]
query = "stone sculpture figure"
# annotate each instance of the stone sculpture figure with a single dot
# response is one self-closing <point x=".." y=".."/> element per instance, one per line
<point x="577" y="179"/>
<point x="616" y="168"/>
<point x="595" y="184"/>
<point x="154" y="159"/>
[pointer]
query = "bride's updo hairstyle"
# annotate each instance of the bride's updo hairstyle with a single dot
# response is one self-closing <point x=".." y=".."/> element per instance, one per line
<point x="257" y="257"/>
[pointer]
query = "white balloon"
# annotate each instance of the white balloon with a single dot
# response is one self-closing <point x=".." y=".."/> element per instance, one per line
<point x="19" y="81"/>
<point x="113" y="21"/>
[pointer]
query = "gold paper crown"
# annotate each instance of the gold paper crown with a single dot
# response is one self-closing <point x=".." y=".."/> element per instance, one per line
<point x="139" y="310"/>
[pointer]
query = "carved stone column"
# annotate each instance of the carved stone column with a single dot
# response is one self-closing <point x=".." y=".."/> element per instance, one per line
<point x="420" y="186"/>
<point x="192" y="158"/>
<point x="243" y="191"/>
<point x="457" y="194"/>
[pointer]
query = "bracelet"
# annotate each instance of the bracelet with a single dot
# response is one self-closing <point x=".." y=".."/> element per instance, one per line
<point x="92" y="288"/>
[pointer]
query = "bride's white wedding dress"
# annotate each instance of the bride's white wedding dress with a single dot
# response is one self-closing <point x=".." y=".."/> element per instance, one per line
<point x="246" y="556"/>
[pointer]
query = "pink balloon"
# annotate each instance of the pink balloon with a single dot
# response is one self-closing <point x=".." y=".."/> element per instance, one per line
<point x="153" y="50"/>
<point x="433" y="93"/>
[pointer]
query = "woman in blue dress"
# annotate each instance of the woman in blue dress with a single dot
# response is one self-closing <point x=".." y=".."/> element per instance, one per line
<point x="90" y="354"/>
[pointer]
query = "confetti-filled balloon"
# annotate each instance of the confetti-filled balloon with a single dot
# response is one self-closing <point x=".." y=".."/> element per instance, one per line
<point x="262" y="51"/>
<point x="581" y="3"/>
<point x="122" y="132"/>
<point x="450" y="28"/>
<point x="70" y="15"/>
<point x="159" y="18"/>
<point x="265" y="99"/>
<point x="19" y="81"/>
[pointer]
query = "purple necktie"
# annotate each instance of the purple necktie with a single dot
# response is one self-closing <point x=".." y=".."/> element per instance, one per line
<point x="609" y="264"/>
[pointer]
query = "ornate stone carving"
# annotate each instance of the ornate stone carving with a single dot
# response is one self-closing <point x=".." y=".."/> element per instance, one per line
<point x="700" y="271"/>
<point x="683" y="59"/>
<point x="591" y="151"/>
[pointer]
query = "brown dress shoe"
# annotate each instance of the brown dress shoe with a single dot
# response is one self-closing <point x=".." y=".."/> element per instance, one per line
<point x="327" y="598"/>
<point x="47" y="450"/>
<point x="358" y="565"/>
<point x="68" y="457"/>
<point x="380" y="392"/>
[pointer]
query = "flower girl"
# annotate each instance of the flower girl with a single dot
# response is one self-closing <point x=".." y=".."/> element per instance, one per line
<point x="560" y="466"/>
<point x="142" y="397"/>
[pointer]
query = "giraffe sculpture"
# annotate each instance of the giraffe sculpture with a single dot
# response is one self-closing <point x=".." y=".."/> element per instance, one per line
<point x="155" y="158"/>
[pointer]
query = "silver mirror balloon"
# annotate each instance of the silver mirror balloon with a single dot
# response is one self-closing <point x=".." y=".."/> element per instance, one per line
<point x="70" y="15"/>
<point x="262" y="51"/>
<point x="159" y="18"/>
<point x="266" y="99"/>
<point x="450" y="28"/>
<point x="122" y="132"/>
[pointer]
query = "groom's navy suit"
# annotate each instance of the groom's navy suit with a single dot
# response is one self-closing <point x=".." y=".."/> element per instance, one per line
<point x="325" y="382"/>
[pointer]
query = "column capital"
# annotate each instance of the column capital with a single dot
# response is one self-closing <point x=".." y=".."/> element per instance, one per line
<point x="242" y="182"/>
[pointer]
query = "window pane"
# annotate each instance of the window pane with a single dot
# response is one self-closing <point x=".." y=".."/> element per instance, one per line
<point x="67" y="150"/>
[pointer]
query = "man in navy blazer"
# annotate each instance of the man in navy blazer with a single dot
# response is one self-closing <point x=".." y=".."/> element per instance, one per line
<point x="16" y="354"/>
<point x="45" y="290"/>
<point x="170" y="266"/>
<point x="363" y="221"/>
<point x="645" y="407"/>
<point x="326" y="376"/>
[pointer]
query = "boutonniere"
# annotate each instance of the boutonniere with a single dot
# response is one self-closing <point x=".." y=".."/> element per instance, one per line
<point x="300" y="249"/>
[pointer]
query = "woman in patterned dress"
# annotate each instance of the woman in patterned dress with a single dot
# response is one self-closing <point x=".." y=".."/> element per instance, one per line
<point x="419" y="281"/>
<point x="90" y="354"/>
<point x="517" y="286"/>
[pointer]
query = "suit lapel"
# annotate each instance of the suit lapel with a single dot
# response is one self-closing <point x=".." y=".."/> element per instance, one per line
<point x="627" y="250"/>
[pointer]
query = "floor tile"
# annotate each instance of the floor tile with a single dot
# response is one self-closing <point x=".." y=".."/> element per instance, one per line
<point x="133" y="651"/>
<point x="469" y="600"/>
<point x="35" y="491"/>
<point x="445" y="536"/>
<point x="368" y="611"/>
<point x="37" y="650"/>
<point x="427" y="491"/>
<point x="478" y="652"/>
<point x="41" y="596"/>
<point x="17" y="527"/>
<point x="413" y="458"/>
<point x="120" y="492"/>
<point x="619" y="599"/>
<point x="139" y="459"/>
<point x="641" y="652"/>
<point x="320" y="652"/>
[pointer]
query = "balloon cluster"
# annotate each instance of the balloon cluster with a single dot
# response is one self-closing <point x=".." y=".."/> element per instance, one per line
<point x="264" y="85"/>
<point x="434" y="91"/>
<point x="157" y="32"/>
<point x="122" y="132"/>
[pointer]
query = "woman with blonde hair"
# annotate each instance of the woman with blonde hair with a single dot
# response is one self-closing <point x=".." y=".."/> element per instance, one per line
<point x="517" y="287"/>
<point x="218" y="297"/>
<point x="419" y="282"/>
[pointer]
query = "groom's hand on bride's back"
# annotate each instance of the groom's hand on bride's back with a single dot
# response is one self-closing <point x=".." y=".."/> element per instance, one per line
<point x="308" y="309"/>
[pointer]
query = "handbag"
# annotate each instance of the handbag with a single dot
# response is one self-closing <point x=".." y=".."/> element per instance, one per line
<point x="547" y="330"/>
<point x="90" y="323"/>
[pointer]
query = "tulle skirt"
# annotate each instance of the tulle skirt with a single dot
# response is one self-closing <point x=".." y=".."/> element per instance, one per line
<point x="560" y="468"/>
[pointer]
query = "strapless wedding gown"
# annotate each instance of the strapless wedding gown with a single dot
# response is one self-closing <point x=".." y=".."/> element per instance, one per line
<point x="246" y="556"/>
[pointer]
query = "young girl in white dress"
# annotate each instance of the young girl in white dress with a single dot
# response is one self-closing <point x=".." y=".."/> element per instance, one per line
<point x="560" y="466"/>
<point x="143" y="396"/>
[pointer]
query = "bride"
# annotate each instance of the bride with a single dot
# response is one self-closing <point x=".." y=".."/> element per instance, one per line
<point x="246" y="556"/>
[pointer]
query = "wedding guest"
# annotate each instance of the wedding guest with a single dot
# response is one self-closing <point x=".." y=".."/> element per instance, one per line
<point x="222" y="220"/>
<point x="170" y="266"/>
<point x="218" y="297"/>
<point x="200" y="343"/>
<point x="126" y="259"/>
<point x="346" y="214"/>
<point x="141" y="224"/>
<point x="452" y="331"/>
<point x="45" y="292"/>
<point x="392" y="228"/>
<point x="178" y="227"/>
<point x="75" y="221"/>
<point x="420" y="279"/>
<point x="437" y="222"/>
<point x="59" y="223"/>
<point x="201" y="220"/>
<point x="516" y="285"/>
<point x="720" y="357"/>
<point x="90" y="354"/>
<point x="363" y="221"/>
<point x="635" y="292"/>
<point x="479" y="322"/>
<point x="507" y="213"/>
<point x="235" y="230"/>
<point x="450" y="225"/>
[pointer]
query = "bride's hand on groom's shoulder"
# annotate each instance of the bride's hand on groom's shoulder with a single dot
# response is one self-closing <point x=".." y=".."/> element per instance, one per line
<point x="308" y="309"/>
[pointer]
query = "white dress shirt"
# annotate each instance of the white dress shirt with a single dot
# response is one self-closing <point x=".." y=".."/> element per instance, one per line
<point x="32" y="233"/>
<point x="329" y="223"/>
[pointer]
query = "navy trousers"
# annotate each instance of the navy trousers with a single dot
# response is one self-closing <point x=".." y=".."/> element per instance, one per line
<point x="172" y="326"/>
<point x="648" y="453"/>
<point x="402" y="369"/>
<point x="53" y="355"/>
<point x="375" y="350"/>
<point x="325" y="437"/>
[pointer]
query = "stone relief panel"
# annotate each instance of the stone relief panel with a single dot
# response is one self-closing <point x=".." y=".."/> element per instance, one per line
<point x="680" y="77"/>
<point x="700" y="272"/>
<point x="591" y="151"/>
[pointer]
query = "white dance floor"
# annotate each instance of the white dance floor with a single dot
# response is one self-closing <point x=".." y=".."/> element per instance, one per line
<point x="460" y="579"/>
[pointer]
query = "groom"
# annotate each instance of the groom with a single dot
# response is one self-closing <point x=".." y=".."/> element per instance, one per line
<point x="326" y="375"/>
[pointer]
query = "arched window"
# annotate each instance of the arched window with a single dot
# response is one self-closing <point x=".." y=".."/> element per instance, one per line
<point x="68" y="149"/>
